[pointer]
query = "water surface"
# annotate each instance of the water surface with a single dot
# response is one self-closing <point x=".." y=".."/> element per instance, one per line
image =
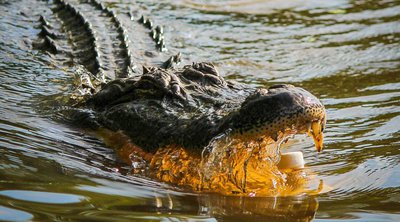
<point x="345" y="52"/>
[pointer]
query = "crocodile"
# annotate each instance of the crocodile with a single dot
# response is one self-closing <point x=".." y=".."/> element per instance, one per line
<point x="185" y="125"/>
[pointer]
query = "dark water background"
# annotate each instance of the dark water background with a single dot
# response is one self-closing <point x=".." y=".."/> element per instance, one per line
<point x="345" y="52"/>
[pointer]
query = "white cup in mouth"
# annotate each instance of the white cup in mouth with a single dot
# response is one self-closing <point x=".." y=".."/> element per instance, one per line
<point x="291" y="160"/>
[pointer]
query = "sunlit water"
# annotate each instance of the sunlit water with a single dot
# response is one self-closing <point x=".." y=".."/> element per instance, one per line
<point x="345" y="52"/>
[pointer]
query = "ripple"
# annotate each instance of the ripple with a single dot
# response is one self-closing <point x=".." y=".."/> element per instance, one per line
<point x="364" y="15"/>
<point x="388" y="129"/>
<point x="384" y="87"/>
<point x="123" y="189"/>
<point x="42" y="197"/>
<point x="367" y="177"/>
<point x="345" y="52"/>
<point x="9" y="214"/>
<point x="262" y="7"/>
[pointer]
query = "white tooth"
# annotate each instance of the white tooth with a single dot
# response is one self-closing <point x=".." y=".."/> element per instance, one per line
<point x="316" y="128"/>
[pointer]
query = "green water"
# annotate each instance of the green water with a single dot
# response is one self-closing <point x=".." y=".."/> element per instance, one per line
<point x="345" y="52"/>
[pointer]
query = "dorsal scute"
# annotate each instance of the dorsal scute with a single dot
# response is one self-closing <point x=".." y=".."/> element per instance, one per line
<point x="203" y="74"/>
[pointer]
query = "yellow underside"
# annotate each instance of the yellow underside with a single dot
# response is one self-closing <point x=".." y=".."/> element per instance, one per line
<point x="238" y="169"/>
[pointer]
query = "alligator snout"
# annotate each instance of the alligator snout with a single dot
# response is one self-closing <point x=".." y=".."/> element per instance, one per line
<point x="280" y="109"/>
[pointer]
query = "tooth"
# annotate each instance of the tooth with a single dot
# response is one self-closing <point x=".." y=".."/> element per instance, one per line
<point x="317" y="135"/>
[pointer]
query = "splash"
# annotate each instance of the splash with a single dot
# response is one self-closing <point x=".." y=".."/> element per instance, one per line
<point x="233" y="166"/>
<point x="227" y="165"/>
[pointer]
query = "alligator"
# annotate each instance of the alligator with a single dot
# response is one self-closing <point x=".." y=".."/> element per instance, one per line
<point x="184" y="125"/>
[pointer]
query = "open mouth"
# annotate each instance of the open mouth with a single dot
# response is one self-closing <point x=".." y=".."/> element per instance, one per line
<point x="229" y="166"/>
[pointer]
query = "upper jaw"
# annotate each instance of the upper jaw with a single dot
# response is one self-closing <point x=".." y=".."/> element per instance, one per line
<point x="313" y="123"/>
<point x="301" y="111"/>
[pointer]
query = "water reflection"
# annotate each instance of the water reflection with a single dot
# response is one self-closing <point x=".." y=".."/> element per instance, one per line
<point x="42" y="197"/>
<point x="9" y="214"/>
<point x="302" y="208"/>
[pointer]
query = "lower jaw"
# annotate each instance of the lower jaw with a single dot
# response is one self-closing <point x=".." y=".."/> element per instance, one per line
<point x="243" y="173"/>
<point x="231" y="167"/>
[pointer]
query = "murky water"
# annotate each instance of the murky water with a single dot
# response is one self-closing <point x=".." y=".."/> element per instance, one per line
<point x="345" y="52"/>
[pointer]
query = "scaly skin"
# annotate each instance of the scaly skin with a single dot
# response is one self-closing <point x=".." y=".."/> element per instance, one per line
<point x="190" y="106"/>
<point x="174" y="115"/>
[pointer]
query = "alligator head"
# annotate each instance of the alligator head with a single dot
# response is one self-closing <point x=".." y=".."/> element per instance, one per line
<point x="281" y="108"/>
<point x="194" y="105"/>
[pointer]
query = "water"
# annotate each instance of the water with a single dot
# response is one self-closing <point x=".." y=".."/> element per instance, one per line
<point x="345" y="52"/>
